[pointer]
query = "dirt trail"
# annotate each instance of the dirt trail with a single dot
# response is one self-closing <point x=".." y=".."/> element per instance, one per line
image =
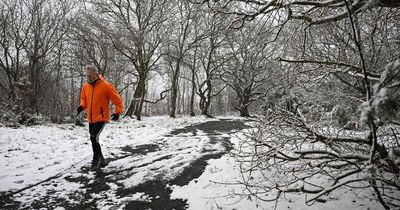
<point x="156" y="189"/>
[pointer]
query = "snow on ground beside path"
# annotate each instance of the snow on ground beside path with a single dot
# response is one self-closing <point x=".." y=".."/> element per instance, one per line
<point x="219" y="188"/>
<point x="29" y="155"/>
<point x="175" y="154"/>
<point x="33" y="154"/>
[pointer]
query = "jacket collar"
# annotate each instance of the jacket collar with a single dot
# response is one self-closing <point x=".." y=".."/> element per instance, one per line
<point x="99" y="79"/>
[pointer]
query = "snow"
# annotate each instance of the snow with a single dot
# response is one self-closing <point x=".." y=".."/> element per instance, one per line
<point x="33" y="154"/>
<point x="25" y="154"/>
<point x="219" y="187"/>
<point x="30" y="155"/>
<point x="49" y="156"/>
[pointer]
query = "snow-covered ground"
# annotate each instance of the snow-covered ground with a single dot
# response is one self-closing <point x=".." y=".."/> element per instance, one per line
<point x="219" y="187"/>
<point x="32" y="154"/>
<point x="47" y="160"/>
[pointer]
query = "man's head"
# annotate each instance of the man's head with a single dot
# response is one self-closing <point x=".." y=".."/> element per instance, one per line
<point x="91" y="73"/>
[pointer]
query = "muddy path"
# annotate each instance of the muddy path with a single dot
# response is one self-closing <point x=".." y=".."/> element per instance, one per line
<point x="162" y="157"/>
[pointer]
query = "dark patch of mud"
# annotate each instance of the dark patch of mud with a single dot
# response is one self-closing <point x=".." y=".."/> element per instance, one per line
<point x="213" y="127"/>
<point x="141" y="149"/>
<point x="158" y="189"/>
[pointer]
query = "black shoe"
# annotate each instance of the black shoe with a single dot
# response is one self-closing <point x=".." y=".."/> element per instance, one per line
<point x="95" y="164"/>
<point x="104" y="162"/>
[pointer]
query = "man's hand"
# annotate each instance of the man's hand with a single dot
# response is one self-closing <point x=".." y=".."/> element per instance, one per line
<point x="79" y="110"/>
<point x="114" y="117"/>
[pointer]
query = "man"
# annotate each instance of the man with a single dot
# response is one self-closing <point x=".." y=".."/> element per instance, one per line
<point x="95" y="98"/>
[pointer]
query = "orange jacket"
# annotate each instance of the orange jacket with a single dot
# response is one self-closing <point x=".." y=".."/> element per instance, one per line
<point x="96" y="99"/>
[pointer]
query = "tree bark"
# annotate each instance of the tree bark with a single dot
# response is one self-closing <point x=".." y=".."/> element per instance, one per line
<point x="193" y="81"/>
<point x="192" y="95"/>
<point x="205" y="98"/>
<point x="244" y="107"/>
<point x="174" y="89"/>
<point x="135" y="107"/>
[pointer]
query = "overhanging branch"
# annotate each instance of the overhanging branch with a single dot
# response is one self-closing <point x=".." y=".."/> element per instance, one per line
<point x="162" y="97"/>
<point x="330" y="63"/>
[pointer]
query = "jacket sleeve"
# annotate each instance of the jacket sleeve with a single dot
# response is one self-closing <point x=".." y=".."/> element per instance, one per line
<point x="83" y="98"/>
<point x="115" y="98"/>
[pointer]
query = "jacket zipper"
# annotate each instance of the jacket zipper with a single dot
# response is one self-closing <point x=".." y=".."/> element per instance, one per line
<point x="91" y="106"/>
<point x="101" y="109"/>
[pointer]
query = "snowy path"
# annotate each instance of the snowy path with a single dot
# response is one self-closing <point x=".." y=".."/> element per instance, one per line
<point x="139" y="176"/>
<point x="157" y="163"/>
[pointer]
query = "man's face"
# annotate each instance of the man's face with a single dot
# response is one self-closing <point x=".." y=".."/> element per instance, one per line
<point x="91" y="75"/>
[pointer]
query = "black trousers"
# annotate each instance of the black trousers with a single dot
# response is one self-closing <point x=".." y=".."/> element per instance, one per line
<point x="95" y="130"/>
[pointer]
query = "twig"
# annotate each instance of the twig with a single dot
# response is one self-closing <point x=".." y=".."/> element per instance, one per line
<point x="330" y="189"/>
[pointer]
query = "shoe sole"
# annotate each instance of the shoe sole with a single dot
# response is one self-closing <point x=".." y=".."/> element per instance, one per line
<point x="104" y="163"/>
<point x="95" y="168"/>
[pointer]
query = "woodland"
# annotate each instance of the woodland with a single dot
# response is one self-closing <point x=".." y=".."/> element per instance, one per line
<point x="320" y="79"/>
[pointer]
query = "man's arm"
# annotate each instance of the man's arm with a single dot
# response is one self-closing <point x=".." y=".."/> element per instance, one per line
<point x="82" y="105"/>
<point x="83" y="99"/>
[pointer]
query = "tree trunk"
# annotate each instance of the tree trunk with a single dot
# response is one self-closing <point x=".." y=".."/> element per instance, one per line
<point x="208" y="99"/>
<point x="244" y="111"/>
<point x="202" y="105"/>
<point x="193" y="93"/>
<point x="205" y="99"/>
<point x="174" y="96"/>
<point x="135" y="107"/>
<point x="244" y="102"/>
<point x="174" y="89"/>
<point x="182" y="109"/>
<point x="72" y="94"/>
<point x="34" y="80"/>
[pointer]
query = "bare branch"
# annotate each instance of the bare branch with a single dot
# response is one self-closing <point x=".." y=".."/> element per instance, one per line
<point x="162" y="97"/>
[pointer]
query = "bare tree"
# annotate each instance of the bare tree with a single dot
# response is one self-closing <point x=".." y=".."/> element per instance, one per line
<point x="181" y="40"/>
<point x="347" y="44"/>
<point x="14" y="32"/>
<point x="191" y="61"/>
<point x="48" y="28"/>
<point x="97" y="48"/>
<point x="250" y="66"/>
<point x="136" y="29"/>
<point x="31" y="36"/>
<point x="210" y="59"/>
<point x="312" y="12"/>
<point x="193" y="82"/>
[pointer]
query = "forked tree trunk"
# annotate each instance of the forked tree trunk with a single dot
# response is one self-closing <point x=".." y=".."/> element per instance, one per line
<point x="244" y="106"/>
<point x="135" y="107"/>
<point x="174" y="90"/>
